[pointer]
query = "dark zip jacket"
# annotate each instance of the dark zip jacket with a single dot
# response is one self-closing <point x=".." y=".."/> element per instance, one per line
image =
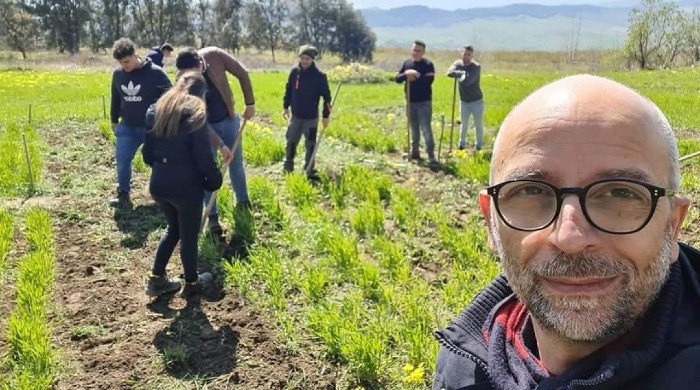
<point x="183" y="165"/>
<point x="469" y="86"/>
<point x="304" y="90"/>
<point x="667" y="357"/>
<point x="422" y="87"/>
<point x="133" y="92"/>
<point x="156" y="55"/>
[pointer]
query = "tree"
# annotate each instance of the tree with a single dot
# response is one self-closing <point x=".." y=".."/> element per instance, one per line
<point x="204" y="22"/>
<point x="267" y="24"/>
<point x="158" y="21"/>
<point x="572" y="45"/>
<point x="113" y="19"/>
<point x="353" y="40"/>
<point x="316" y="21"/>
<point x="17" y="26"/>
<point x="692" y="32"/>
<point x="655" y="35"/>
<point x="227" y="26"/>
<point x="61" y="21"/>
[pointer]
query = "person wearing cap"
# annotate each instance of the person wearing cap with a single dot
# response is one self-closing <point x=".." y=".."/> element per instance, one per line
<point x="158" y="54"/>
<point x="214" y="63"/>
<point x="306" y="85"/>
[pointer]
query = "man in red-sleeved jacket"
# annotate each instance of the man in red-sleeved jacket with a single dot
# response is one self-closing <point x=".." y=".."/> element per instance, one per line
<point x="306" y="86"/>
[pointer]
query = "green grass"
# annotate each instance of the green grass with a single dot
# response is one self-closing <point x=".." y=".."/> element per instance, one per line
<point x="31" y="361"/>
<point x="369" y="116"/>
<point x="261" y="147"/>
<point x="15" y="178"/>
<point x="349" y="282"/>
<point x="7" y="230"/>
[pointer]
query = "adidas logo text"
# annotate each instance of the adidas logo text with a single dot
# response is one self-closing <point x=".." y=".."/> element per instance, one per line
<point x="131" y="92"/>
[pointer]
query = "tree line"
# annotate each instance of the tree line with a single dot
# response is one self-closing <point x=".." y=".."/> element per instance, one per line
<point x="333" y="26"/>
<point x="662" y="35"/>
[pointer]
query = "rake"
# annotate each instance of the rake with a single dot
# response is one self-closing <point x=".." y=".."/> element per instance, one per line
<point x="309" y="166"/>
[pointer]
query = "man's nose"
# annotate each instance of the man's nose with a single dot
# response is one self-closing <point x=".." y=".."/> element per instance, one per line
<point x="572" y="233"/>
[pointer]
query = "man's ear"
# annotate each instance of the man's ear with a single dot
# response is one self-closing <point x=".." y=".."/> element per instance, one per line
<point x="485" y="205"/>
<point x="679" y="211"/>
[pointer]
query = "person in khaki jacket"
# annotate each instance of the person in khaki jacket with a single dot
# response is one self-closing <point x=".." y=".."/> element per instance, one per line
<point x="214" y="63"/>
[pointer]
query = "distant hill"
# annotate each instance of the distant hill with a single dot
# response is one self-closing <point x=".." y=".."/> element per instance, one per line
<point x="512" y="27"/>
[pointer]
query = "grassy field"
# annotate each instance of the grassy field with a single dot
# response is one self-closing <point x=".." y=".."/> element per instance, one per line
<point x="338" y="285"/>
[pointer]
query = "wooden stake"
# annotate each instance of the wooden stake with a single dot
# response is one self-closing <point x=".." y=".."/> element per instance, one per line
<point x="29" y="163"/>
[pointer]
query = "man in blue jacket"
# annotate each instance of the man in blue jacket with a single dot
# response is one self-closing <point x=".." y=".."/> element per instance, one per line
<point x="585" y="215"/>
<point x="306" y="85"/>
<point x="158" y="54"/>
<point x="136" y="84"/>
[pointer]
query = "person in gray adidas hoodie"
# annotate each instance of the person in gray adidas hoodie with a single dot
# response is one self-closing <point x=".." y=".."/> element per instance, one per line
<point x="467" y="72"/>
<point x="136" y="84"/>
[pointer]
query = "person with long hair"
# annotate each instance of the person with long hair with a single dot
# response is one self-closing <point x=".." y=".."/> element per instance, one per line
<point x="183" y="166"/>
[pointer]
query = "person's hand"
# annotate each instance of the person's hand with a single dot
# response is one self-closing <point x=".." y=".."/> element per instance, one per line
<point x="412" y="74"/>
<point x="226" y="154"/>
<point x="285" y="114"/>
<point x="325" y="121"/>
<point x="249" y="112"/>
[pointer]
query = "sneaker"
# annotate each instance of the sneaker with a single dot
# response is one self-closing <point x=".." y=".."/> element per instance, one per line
<point x="160" y="285"/>
<point x="197" y="287"/>
<point x="433" y="162"/>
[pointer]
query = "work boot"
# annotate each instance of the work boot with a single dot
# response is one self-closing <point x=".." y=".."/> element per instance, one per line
<point x="160" y="285"/>
<point x="313" y="175"/>
<point x="123" y="200"/>
<point x="216" y="233"/>
<point x="194" y="288"/>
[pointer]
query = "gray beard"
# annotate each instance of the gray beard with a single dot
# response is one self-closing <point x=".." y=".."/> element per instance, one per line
<point x="585" y="319"/>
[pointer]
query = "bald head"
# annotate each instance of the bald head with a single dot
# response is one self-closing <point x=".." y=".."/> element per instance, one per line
<point x="603" y="117"/>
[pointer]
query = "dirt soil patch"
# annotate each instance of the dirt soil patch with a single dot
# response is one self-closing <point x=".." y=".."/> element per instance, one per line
<point x="110" y="334"/>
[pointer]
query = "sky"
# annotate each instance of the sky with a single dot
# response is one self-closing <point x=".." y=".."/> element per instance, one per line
<point x="452" y="4"/>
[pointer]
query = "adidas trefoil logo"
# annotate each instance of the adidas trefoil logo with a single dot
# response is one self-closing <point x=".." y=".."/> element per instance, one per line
<point x="131" y="92"/>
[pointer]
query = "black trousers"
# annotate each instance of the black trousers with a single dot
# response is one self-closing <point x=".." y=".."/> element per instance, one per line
<point x="184" y="218"/>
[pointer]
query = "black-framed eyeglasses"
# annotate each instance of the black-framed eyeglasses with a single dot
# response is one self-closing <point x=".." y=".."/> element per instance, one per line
<point x="615" y="206"/>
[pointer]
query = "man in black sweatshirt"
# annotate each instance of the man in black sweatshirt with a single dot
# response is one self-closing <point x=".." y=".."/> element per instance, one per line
<point x="468" y="75"/>
<point x="420" y="73"/>
<point x="306" y="85"/>
<point x="158" y="54"/>
<point x="136" y="84"/>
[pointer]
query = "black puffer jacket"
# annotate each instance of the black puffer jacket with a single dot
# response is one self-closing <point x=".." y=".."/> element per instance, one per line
<point x="183" y="165"/>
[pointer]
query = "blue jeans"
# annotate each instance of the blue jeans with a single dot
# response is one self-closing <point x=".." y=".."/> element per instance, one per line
<point x="227" y="129"/>
<point x="477" y="110"/>
<point x="128" y="141"/>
